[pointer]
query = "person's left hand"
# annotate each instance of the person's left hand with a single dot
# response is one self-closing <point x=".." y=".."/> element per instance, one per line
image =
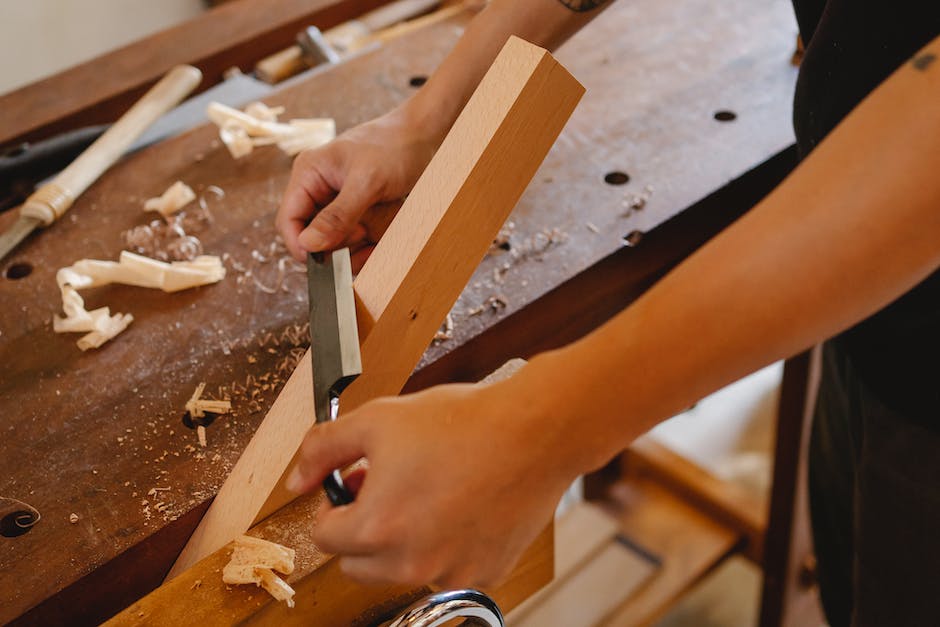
<point x="460" y="480"/>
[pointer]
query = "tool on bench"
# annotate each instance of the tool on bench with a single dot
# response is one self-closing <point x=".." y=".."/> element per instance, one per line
<point x="388" y="22"/>
<point x="26" y="166"/>
<point x="334" y="343"/>
<point x="52" y="200"/>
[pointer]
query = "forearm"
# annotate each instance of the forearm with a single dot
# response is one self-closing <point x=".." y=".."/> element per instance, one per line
<point x="853" y="228"/>
<point x="547" y="23"/>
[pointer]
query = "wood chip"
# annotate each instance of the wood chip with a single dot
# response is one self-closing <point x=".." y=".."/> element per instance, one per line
<point x="254" y="561"/>
<point x="257" y="125"/>
<point x="131" y="269"/>
<point x="177" y="196"/>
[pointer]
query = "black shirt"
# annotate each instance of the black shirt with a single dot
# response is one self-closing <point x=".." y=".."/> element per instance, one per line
<point x="851" y="47"/>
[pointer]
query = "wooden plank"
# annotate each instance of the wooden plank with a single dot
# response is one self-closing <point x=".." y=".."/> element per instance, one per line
<point x="686" y="542"/>
<point x="324" y="595"/>
<point x="593" y="591"/>
<point x="723" y="500"/>
<point x="416" y="272"/>
<point x="237" y="34"/>
<point x="581" y="534"/>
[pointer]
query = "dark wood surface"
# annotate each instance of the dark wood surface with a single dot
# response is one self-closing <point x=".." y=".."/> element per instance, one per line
<point x="100" y="90"/>
<point x="93" y="433"/>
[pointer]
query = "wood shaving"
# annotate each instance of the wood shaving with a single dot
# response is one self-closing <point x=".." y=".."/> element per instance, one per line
<point x="446" y="332"/>
<point x="131" y="269"/>
<point x="177" y="196"/>
<point x="197" y="406"/>
<point x="243" y="131"/>
<point x="636" y="202"/>
<point x="254" y="561"/>
<point x="493" y="304"/>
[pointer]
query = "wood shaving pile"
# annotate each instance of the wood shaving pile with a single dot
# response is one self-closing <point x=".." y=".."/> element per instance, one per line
<point x="177" y="196"/>
<point x="243" y="131"/>
<point x="254" y="561"/>
<point x="171" y="238"/>
<point x="131" y="269"/>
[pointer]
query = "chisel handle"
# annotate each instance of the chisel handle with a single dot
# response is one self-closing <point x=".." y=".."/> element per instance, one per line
<point x="48" y="203"/>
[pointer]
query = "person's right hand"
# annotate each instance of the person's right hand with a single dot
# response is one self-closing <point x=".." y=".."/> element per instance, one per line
<point x="333" y="189"/>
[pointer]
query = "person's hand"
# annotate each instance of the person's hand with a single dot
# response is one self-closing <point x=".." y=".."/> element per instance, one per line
<point x="459" y="483"/>
<point x="338" y="185"/>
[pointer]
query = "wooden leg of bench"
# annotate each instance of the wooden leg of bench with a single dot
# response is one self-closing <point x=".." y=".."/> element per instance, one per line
<point x="788" y="598"/>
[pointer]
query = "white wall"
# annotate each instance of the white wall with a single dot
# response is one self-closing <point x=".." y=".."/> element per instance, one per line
<point x="42" y="37"/>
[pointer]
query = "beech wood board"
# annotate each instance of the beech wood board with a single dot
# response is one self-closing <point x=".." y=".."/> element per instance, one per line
<point x="92" y="433"/>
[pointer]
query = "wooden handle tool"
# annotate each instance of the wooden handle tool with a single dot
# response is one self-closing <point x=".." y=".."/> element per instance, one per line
<point x="50" y="202"/>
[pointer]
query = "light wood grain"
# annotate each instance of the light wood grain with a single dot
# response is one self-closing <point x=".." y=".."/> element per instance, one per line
<point x="580" y="534"/>
<point x="416" y="272"/>
<point x="324" y="595"/>
<point x="687" y="543"/>
<point x="723" y="500"/>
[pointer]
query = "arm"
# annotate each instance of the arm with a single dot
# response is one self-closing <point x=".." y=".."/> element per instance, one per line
<point x="343" y="179"/>
<point x="854" y="227"/>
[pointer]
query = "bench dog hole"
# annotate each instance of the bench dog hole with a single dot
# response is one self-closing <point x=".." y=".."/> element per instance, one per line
<point x="17" y="523"/>
<point x="191" y="423"/>
<point x="616" y="178"/>
<point x="18" y="271"/>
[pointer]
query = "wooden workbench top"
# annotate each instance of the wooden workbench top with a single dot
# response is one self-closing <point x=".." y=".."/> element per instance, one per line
<point x="101" y="434"/>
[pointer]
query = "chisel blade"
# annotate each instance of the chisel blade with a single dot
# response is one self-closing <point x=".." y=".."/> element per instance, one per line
<point x="334" y="336"/>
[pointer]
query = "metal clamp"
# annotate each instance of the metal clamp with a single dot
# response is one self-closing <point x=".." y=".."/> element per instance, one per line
<point x="437" y="609"/>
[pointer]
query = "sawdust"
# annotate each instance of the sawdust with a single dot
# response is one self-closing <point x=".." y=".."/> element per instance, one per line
<point x="266" y="270"/>
<point x="636" y="202"/>
<point x="492" y="304"/>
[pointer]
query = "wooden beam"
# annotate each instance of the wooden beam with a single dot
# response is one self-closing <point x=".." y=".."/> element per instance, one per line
<point x="416" y="272"/>
<point x="100" y="90"/>
<point x="324" y="595"/>
<point x="726" y="502"/>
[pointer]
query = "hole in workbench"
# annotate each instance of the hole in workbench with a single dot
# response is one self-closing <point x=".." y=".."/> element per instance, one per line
<point x="18" y="271"/>
<point x="725" y="116"/>
<point x="191" y="423"/>
<point x="17" y="523"/>
<point x="616" y="178"/>
<point x="417" y="81"/>
<point x="632" y="238"/>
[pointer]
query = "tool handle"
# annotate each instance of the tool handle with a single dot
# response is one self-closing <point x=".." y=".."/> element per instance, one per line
<point x="53" y="199"/>
<point x="336" y="490"/>
<point x="395" y="12"/>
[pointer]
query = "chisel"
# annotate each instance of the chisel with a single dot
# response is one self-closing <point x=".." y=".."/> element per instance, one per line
<point x="48" y="203"/>
<point x="334" y="343"/>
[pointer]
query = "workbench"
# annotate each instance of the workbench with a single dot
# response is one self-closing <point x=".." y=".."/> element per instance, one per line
<point x="685" y="125"/>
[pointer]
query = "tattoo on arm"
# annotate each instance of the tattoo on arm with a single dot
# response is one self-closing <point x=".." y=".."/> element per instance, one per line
<point x="922" y="61"/>
<point x="582" y="6"/>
